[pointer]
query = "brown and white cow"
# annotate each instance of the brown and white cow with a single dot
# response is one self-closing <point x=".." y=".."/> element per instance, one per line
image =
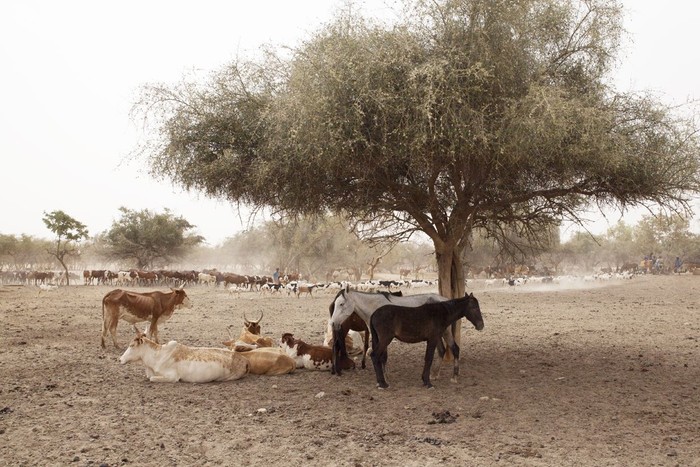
<point x="135" y="307"/>
<point x="268" y="361"/>
<point x="175" y="362"/>
<point x="94" y="276"/>
<point x="312" y="357"/>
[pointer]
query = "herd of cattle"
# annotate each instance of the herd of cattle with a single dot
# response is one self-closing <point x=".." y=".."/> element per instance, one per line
<point x="250" y="353"/>
<point x="235" y="284"/>
<point x="291" y="284"/>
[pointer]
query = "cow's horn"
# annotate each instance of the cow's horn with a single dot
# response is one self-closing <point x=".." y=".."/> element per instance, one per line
<point x="259" y="319"/>
<point x="245" y="318"/>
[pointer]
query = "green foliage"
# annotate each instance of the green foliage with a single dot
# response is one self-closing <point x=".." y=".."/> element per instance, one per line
<point x="65" y="227"/>
<point x="666" y="236"/>
<point x="144" y="238"/>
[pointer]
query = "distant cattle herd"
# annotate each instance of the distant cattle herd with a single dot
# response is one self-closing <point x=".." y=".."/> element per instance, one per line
<point x="289" y="284"/>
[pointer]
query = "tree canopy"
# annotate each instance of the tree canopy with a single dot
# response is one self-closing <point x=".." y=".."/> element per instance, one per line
<point x="464" y="114"/>
<point x="145" y="238"/>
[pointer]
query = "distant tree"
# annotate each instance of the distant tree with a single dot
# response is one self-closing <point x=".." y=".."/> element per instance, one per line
<point x="314" y="245"/>
<point x="418" y="257"/>
<point x="619" y="245"/>
<point x="69" y="233"/>
<point x="586" y="249"/>
<point x="8" y="247"/>
<point x="144" y="238"/>
<point x="251" y="250"/>
<point x="665" y="236"/>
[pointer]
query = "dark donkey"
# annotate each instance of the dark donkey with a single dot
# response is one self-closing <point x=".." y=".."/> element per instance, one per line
<point x="427" y="322"/>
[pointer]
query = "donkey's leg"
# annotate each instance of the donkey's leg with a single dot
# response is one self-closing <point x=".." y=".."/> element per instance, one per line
<point x="377" y="360"/>
<point x="437" y="364"/>
<point x="455" y="352"/>
<point x="364" y="355"/>
<point x="445" y="351"/>
<point x="429" y="354"/>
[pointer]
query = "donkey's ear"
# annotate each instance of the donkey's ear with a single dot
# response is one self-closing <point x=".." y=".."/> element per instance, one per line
<point x="471" y="295"/>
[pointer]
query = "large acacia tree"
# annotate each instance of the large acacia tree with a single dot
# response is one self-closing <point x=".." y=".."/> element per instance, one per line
<point x="463" y="115"/>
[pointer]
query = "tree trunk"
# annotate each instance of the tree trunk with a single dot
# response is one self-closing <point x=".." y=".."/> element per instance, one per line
<point x="65" y="268"/>
<point x="451" y="283"/>
<point x="356" y="273"/>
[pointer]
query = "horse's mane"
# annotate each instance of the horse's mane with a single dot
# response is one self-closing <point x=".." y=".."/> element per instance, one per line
<point x="388" y="295"/>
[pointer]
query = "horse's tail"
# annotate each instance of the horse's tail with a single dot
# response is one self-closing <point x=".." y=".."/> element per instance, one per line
<point x="373" y="334"/>
<point x="338" y="345"/>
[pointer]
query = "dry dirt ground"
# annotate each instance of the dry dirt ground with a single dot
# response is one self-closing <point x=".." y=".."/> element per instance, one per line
<point x="605" y="375"/>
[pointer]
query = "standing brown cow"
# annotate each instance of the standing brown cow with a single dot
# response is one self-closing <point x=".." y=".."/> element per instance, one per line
<point x="134" y="307"/>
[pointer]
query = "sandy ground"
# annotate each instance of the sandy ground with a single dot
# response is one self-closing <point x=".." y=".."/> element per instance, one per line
<point x="606" y="375"/>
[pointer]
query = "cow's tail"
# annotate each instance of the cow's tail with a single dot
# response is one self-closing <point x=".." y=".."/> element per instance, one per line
<point x="102" y="335"/>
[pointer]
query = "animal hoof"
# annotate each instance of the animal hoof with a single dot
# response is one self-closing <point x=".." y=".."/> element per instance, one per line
<point x="453" y="380"/>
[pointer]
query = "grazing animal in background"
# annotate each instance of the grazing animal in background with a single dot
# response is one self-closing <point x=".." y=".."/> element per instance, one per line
<point x="364" y="304"/>
<point x="135" y="307"/>
<point x="299" y="289"/>
<point x="269" y="361"/>
<point x="424" y="323"/>
<point x="173" y="362"/>
<point x="312" y="357"/>
<point x="208" y="279"/>
<point x="235" y="289"/>
<point x="271" y="288"/>
<point x="46" y="288"/>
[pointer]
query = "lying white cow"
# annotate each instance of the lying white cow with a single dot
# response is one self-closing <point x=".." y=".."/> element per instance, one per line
<point x="175" y="362"/>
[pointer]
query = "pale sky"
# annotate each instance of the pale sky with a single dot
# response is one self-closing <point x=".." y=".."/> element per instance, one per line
<point x="71" y="71"/>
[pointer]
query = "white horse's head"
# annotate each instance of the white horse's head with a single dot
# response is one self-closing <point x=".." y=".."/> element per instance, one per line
<point x="341" y="308"/>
